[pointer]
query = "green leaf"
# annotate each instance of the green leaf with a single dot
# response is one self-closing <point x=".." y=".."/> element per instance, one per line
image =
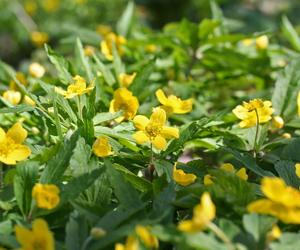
<point x="17" y="109"/>
<point x="24" y="180"/>
<point x="108" y="76"/>
<point x="287" y="171"/>
<point x="83" y="60"/>
<point x="206" y="27"/>
<point x="124" y="23"/>
<point x="291" y="151"/>
<point x="290" y="33"/>
<point x="287" y="241"/>
<point x="107" y="116"/>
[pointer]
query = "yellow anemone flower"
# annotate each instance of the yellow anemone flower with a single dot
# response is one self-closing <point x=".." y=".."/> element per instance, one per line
<point x="107" y="45"/>
<point x="40" y="237"/>
<point x="103" y="29"/>
<point x="36" y="70"/>
<point x="262" y="42"/>
<point x="183" y="178"/>
<point x="101" y="147"/>
<point x="126" y="79"/>
<point x="89" y="50"/>
<point x="39" y="38"/>
<point x="277" y="122"/>
<point x="173" y="104"/>
<point x="230" y="168"/>
<point x="281" y="201"/>
<point x="27" y="100"/>
<point x="147" y="238"/>
<point x="203" y="214"/>
<point x="130" y="244"/>
<point x="50" y="5"/>
<point x="46" y="195"/>
<point x="11" y="96"/>
<point x="125" y="101"/>
<point x="207" y="180"/>
<point x="250" y="111"/>
<point x="11" y="147"/>
<point x="274" y="234"/>
<point x="75" y="89"/>
<point x="31" y="7"/>
<point x="21" y="78"/>
<point x="297" y="168"/>
<point x="154" y="129"/>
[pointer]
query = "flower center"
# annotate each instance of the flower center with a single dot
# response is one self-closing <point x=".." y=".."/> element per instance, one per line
<point x="7" y="146"/>
<point x="153" y="130"/>
<point x="39" y="244"/>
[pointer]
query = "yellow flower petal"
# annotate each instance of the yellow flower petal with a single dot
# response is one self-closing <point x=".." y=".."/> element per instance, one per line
<point x="159" y="142"/>
<point x="18" y="153"/>
<point x="17" y="133"/>
<point x="101" y="147"/>
<point x="183" y="178"/>
<point x="140" y="122"/>
<point x="187" y="226"/>
<point x="2" y="135"/>
<point x="207" y="180"/>
<point x="158" y="117"/>
<point x="228" y="167"/>
<point x="147" y="238"/>
<point x="140" y="137"/>
<point x="242" y="174"/>
<point x="169" y="132"/>
<point x="160" y="95"/>
<point x="297" y="167"/>
<point x="46" y="195"/>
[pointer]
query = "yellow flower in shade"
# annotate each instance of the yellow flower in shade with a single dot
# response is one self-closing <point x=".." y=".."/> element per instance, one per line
<point x="249" y="111"/>
<point x="146" y="237"/>
<point x="183" y="178"/>
<point x="286" y="135"/>
<point x="230" y="168"/>
<point x="27" y="100"/>
<point x="50" y="5"/>
<point x="298" y="103"/>
<point x="36" y="70"/>
<point x="153" y="130"/>
<point x="130" y="244"/>
<point x="31" y="7"/>
<point x="101" y="147"/>
<point x="277" y="122"/>
<point x="151" y="48"/>
<point x="281" y="201"/>
<point x="11" y="147"/>
<point x="39" y="38"/>
<point x="262" y="42"/>
<point x="39" y="238"/>
<point x="21" y="78"/>
<point x="107" y="45"/>
<point x="46" y="195"/>
<point x="207" y="180"/>
<point x="125" y="101"/>
<point x="89" y="51"/>
<point x="75" y="89"/>
<point x="274" y="234"/>
<point x="203" y="214"/>
<point x="103" y="30"/>
<point x="247" y="42"/>
<point x="173" y="104"/>
<point x="11" y="96"/>
<point x="126" y="79"/>
<point x="297" y="168"/>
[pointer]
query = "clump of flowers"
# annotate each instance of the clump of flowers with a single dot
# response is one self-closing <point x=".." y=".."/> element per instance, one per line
<point x="101" y="147"/>
<point x="183" y="178"/>
<point x="126" y="79"/>
<point x="107" y="45"/>
<point x="46" y="195"/>
<point x="146" y="237"/>
<point x="130" y="244"/>
<point x="153" y="130"/>
<point x="12" y="149"/>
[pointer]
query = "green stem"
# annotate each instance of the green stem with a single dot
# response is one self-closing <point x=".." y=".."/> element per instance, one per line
<point x="256" y="132"/>
<point x="79" y="106"/>
<point x="1" y="176"/>
<point x="150" y="170"/>
<point x="221" y="235"/>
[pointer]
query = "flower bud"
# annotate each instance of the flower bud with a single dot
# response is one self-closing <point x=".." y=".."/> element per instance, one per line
<point x="277" y="122"/>
<point x="97" y="232"/>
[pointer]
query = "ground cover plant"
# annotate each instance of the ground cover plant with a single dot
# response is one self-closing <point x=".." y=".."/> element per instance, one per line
<point x="129" y="138"/>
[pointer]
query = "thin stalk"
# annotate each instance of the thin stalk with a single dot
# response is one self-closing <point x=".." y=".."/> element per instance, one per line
<point x="150" y="170"/>
<point x="79" y="107"/>
<point x="221" y="235"/>
<point x="256" y="132"/>
<point x="1" y="176"/>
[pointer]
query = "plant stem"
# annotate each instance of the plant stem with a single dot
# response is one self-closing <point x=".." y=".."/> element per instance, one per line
<point x="221" y="235"/>
<point x="79" y="107"/>
<point x="150" y="170"/>
<point x="256" y="132"/>
<point x="1" y="176"/>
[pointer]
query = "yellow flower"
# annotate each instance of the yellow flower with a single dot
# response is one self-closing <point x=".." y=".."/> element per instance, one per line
<point x="11" y="147"/>
<point x="36" y="70"/>
<point x="173" y="104"/>
<point x="126" y="79"/>
<point x="182" y="178"/>
<point x="286" y="135"/>
<point x="262" y="42"/>
<point x="203" y="214"/>
<point x="130" y="244"/>
<point x="274" y="234"/>
<point x="28" y="101"/>
<point x="207" y="180"/>
<point x="147" y="238"/>
<point x="103" y="30"/>
<point x="154" y="129"/>
<point x="230" y="168"/>
<point x="75" y="89"/>
<point x="50" y="5"/>
<point x="277" y="122"/>
<point x="297" y="167"/>
<point x="125" y="101"/>
<point x="89" y="51"/>
<point x="151" y="48"/>
<point x="21" y="78"/>
<point x="247" y="42"/>
<point x="101" y="147"/>
<point x="298" y="103"/>
<point x="46" y="195"/>
<point x="249" y="111"/>
<point x="11" y="96"/>
<point x="39" y="38"/>
<point x="281" y="201"/>
<point x="30" y="6"/>
<point x="107" y="45"/>
<point x="39" y="238"/>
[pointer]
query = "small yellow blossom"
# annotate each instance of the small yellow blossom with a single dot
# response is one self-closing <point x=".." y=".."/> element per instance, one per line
<point x="27" y="100"/>
<point x="103" y="30"/>
<point x="89" y="50"/>
<point x="50" y="5"/>
<point x="277" y="122"/>
<point x="107" y="45"/>
<point x="46" y="195"/>
<point x="21" y="78"/>
<point x="75" y="89"/>
<point x="298" y="103"/>
<point x="39" y="38"/>
<point x="126" y="79"/>
<point x="11" y="96"/>
<point x="130" y="244"/>
<point x="207" y="180"/>
<point x="262" y="42"/>
<point x="247" y="42"/>
<point x="97" y="232"/>
<point x="30" y="6"/>
<point x="151" y="48"/>
<point x="173" y="104"/>
<point x="297" y="169"/>
<point x="147" y="238"/>
<point x="101" y="147"/>
<point x="281" y="201"/>
<point x="242" y="174"/>
<point x="36" y="70"/>
<point x="183" y="178"/>
<point x="274" y="234"/>
<point x="125" y="101"/>
<point x="228" y="167"/>
<point x="286" y="135"/>
<point x="40" y="237"/>
<point x="249" y="111"/>
<point x="11" y="147"/>
<point x="203" y="214"/>
<point x="154" y="129"/>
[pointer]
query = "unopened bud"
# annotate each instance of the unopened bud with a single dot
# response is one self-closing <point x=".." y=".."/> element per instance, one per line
<point x="97" y="232"/>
